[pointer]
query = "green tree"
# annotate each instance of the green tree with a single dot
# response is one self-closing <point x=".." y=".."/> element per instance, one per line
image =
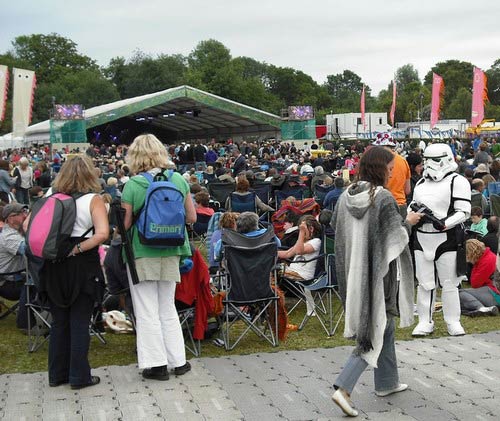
<point x="405" y="75"/>
<point x="345" y="90"/>
<point x="86" y="87"/>
<point x="493" y="74"/>
<point x="50" y="56"/>
<point x="143" y="74"/>
<point x="461" y="105"/>
<point x="456" y="75"/>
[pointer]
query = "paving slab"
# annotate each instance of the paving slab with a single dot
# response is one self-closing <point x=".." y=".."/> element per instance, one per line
<point x="449" y="378"/>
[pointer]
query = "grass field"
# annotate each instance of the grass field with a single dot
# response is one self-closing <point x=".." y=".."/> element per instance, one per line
<point x="120" y="349"/>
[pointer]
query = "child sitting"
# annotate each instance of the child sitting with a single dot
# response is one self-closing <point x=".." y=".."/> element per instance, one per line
<point x="478" y="222"/>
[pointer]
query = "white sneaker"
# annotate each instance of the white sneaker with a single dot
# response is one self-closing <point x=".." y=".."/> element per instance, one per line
<point x="423" y="329"/>
<point x="341" y="398"/>
<point x="400" y="388"/>
<point x="455" y="329"/>
<point x="483" y="311"/>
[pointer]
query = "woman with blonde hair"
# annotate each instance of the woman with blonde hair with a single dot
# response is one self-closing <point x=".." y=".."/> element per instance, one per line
<point x="159" y="335"/>
<point x="24" y="181"/>
<point x="73" y="285"/>
<point x="483" y="298"/>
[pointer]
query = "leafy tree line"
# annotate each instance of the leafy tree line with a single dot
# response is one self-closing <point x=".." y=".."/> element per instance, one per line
<point x="68" y="76"/>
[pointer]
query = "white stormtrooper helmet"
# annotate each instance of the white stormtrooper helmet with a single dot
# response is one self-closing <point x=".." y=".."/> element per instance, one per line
<point x="438" y="161"/>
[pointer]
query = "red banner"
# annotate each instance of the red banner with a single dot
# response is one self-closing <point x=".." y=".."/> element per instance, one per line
<point x="4" y="88"/>
<point x="393" y="106"/>
<point x="479" y="96"/>
<point x="362" y="106"/>
<point x="437" y="95"/>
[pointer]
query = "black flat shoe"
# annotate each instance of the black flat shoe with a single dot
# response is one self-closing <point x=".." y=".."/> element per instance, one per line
<point x="58" y="383"/>
<point x="156" y="373"/>
<point x="93" y="381"/>
<point x="183" y="369"/>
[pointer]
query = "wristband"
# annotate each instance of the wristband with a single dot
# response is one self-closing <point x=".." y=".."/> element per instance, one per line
<point x="79" y="248"/>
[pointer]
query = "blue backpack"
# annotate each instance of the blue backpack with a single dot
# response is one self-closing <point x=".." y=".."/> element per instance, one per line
<point x="162" y="219"/>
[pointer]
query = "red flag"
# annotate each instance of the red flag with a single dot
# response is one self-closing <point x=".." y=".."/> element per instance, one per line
<point x="393" y="106"/>
<point x="479" y="96"/>
<point x="437" y="96"/>
<point x="362" y="105"/>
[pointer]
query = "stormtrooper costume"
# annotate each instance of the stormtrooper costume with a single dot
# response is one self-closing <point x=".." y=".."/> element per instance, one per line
<point x="448" y="195"/>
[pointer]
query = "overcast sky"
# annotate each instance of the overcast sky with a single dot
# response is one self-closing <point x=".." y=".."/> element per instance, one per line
<point x="372" y="38"/>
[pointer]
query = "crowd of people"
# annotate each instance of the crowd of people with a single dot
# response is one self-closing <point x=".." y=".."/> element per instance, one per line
<point x="406" y="209"/>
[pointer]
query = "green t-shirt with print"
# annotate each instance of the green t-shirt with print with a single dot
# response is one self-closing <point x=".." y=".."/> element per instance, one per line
<point x="134" y="193"/>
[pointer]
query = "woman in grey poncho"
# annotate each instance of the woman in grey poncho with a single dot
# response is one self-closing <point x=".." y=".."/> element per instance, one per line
<point x="371" y="244"/>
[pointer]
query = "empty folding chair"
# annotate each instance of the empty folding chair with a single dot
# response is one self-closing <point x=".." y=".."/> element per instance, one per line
<point x="249" y="262"/>
<point x="220" y="191"/>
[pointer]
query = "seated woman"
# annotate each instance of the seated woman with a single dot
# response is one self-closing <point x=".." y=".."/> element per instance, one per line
<point x="480" y="300"/>
<point x="307" y="247"/>
<point x="242" y="189"/>
<point x="202" y="202"/>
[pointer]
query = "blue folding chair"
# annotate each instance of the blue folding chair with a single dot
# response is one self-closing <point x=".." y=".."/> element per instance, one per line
<point x="242" y="203"/>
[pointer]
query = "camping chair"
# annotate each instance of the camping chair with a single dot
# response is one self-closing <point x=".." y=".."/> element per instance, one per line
<point x="280" y="195"/>
<point x="263" y="191"/>
<point x="249" y="263"/>
<point x="198" y="231"/>
<point x="320" y="192"/>
<point x="242" y="203"/>
<point x="186" y="319"/>
<point x="323" y="287"/>
<point x="495" y="204"/>
<point x="11" y="291"/>
<point x="220" y="191"/>
<point x="39" y="317"/>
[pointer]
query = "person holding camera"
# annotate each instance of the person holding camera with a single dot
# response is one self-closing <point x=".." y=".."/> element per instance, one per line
<point x="447" y="197"/>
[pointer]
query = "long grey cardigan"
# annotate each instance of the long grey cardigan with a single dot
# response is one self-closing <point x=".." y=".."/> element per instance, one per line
<point x="371" y="243"/>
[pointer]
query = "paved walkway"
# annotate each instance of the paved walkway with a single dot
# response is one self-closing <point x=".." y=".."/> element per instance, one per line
<point x="449" y="378"/>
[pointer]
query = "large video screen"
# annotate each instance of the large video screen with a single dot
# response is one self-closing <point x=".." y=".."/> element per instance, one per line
<point x="68" y="112"/>
<point x="300" y="112"/>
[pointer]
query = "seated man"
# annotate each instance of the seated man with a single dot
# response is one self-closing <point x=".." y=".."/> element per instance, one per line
<point x="12" y="247"/>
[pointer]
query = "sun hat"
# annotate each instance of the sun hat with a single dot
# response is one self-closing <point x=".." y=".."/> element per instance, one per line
<point x="384" y="139"/>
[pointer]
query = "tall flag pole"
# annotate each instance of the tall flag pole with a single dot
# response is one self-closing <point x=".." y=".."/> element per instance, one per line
<point x="24" y="92"/>
<point x="437" y="96"/>
<point x="4" y="88"/>
<point x="362" y="106"/>
<point x="479" y="96"/>
<point x="393" y="106"/>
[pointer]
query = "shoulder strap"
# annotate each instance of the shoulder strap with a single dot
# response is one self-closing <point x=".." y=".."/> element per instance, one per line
<point x="452" y="197"/>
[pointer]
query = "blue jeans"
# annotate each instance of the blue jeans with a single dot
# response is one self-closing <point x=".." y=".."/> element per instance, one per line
<point x="69" y="342"/>
<point x="386" y="374"/>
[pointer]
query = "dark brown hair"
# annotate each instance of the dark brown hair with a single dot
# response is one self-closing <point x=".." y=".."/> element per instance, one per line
<point x="373" y="167"/>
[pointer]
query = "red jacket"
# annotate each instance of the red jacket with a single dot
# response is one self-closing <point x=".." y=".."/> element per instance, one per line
<point x="195" y="288"/>
<point x="483" y="269"/>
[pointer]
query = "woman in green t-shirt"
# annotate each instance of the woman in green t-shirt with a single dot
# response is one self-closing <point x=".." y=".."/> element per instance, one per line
<point x="159" y="334"/>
